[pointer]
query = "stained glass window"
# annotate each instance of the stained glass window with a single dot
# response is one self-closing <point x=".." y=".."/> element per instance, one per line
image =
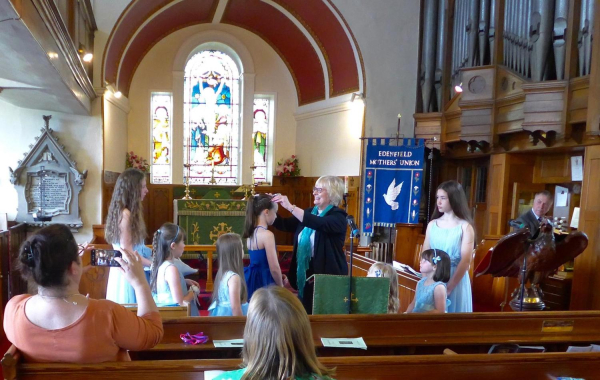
<point x="211" y="118"/>
<point x="260" y="134"/>
<point x="162" y="134"/>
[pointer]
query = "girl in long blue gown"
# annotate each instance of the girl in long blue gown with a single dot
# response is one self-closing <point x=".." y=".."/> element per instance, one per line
<point x="451" y="230"/>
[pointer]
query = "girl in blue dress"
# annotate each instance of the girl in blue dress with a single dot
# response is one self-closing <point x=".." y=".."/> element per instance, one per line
<point x="451" y="230"/>
<point x="125" y="228"/>
<point x="169" y="287"/>
<point x="430" y="296"/>
<point x="230" y="294"/>
<point x="264" y="267"/>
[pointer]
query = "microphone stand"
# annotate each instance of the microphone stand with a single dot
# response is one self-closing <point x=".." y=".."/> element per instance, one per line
<point x="350" y="273"/>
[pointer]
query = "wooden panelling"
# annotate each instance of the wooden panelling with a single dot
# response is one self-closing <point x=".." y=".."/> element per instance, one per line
<point x="407" y="236"/>
<point x="509" y="115"/>
<point x="453" y="127"/>
<point x="592" y="127"/>
<point x="497" y="194"/>
<point x="543" y="108"/>
<point x="586" y="280"/>
<point x="578" y="102"/>
<point x="429" y="126"/>
<point x="476" y="123"/>
<point x="552" y="168"/>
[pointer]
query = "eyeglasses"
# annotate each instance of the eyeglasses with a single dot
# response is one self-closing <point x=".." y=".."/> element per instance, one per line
<point x="318" y="190"/>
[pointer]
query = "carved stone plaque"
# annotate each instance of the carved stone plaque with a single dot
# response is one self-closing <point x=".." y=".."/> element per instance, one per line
<point x="48" y="190"/>
<point x="48" y="183"/>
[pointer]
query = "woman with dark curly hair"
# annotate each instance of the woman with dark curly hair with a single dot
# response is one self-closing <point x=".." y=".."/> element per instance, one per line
<point x="59" y="324"/>
<point x="125" y="228"/>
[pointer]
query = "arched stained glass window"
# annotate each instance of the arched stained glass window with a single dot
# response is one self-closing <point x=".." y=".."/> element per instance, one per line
<point x="162" y="134"/>
<point x="260" y="135"/>
<point x="211" y="118"/>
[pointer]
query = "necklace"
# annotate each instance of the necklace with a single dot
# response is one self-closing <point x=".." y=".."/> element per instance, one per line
<point x="64" y="298"/>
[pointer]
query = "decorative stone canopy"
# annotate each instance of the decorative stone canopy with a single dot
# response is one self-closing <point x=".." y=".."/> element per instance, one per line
<point x="48" y="183"/>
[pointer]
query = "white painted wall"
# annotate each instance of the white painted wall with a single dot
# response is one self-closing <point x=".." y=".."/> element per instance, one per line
<point x="155" y="73"/>
<point x="328" y="140"/>
<point x="387" y="32"/>
<point x="81" y="136"/>
<point x="115" y="132"/>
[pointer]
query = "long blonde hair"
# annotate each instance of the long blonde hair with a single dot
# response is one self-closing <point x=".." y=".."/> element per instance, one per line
<point x="388" y="271"/>
<point x="230" y="251"/>
<point x="126" y="195"/>
<point x="278" y="341"/>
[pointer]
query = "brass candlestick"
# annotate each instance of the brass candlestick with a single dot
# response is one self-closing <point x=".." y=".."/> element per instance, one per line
<point x="253" y="186"/>
<point x="212" y="178"/>
<point x="187" y="189"/>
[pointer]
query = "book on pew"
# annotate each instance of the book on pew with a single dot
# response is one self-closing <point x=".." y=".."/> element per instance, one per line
<point x="514" y="349"/>
<point x="590" y="348"/>
<point x="405" y="268"/>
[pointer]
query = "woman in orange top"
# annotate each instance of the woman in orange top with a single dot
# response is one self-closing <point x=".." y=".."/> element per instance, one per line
<point x="61" y="325"/>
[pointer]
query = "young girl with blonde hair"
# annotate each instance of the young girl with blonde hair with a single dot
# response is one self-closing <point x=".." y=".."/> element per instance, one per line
<point x="125" y="228"/>
<point x="230" y="294"/>
<point x="264" y="267"/>
<point x="278" y="341"/>
<point x="387" y="271"/>
<point x="168" y="286"/>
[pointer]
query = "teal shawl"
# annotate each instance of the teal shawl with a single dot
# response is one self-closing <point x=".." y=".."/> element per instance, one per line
<point x="304" y="251"/>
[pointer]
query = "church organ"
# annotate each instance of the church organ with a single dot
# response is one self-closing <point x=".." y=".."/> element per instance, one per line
<point x="515" y="82"/>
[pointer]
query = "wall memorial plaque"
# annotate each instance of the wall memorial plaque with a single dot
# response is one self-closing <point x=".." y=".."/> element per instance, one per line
<point x="48" y="183"/>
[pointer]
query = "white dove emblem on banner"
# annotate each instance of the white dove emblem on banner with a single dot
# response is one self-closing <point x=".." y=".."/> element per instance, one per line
<point x="392" y="193"/>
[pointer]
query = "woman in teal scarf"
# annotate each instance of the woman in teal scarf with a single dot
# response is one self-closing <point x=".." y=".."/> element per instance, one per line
<point x="319" y="237"/>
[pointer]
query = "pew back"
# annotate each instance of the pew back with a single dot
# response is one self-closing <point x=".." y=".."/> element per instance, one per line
<point x="448" y="367"/>
<point x="399" y="334"/>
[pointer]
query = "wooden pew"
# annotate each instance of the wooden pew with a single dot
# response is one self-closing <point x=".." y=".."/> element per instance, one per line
<point x="166" y="312"/>
<point x="448" y="367"/>
<point x="407" y="282"/>
<point x="400" y="334"/>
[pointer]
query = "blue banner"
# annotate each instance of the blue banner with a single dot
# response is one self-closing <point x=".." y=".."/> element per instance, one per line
<point x="393" y="182"/>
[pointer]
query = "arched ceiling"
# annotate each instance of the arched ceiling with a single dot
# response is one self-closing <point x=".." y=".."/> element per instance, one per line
<point x="310" y="36"/>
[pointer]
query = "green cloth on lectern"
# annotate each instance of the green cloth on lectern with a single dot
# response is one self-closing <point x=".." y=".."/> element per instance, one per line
<point x="369" y="295"/>
<point x="305" y="251"/>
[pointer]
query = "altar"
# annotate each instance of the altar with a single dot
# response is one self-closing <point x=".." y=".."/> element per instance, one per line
<point x="205" y="219"/>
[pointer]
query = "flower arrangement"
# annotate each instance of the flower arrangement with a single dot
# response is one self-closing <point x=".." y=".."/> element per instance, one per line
<point x="288" y="168"/>
<point x="138" y="162"/>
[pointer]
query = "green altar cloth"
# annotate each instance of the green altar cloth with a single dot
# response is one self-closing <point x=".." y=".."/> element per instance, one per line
<point x="204" y="220"/>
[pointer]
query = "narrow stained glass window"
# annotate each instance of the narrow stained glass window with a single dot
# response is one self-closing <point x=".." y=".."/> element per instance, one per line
<point x="211" y="119"/>
<point x="162" y="135"/>
<point x="260" y="136"/>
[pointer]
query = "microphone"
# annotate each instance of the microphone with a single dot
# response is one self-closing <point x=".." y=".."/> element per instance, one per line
<point x="514" y="223"/>
<point x="353" y="227"/>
